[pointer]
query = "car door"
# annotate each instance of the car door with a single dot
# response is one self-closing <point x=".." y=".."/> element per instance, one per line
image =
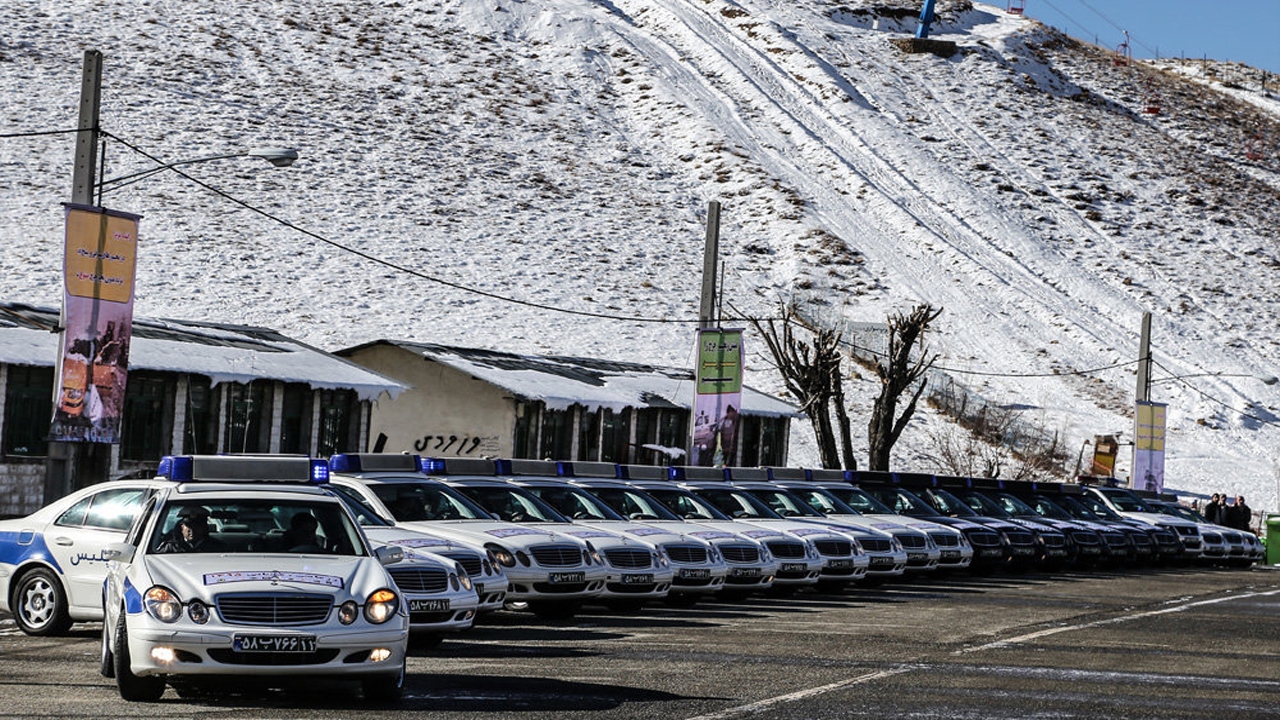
<point x="77" y="537"/>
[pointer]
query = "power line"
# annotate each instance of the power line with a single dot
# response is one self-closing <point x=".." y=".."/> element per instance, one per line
<point x="38" y="133"/>
<point x="1214" y="399"/>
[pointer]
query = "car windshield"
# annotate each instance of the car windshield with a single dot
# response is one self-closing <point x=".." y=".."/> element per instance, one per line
<point x="687" y="505"/>
<point x="1095" y="506"/>
<point x="574" y="503"/>
<point x="1046" y="507"/>
<point x="785" y="504"/>
<point x="421" y="501"/>
<point x="512" y="504"/>
<point x="364" y="515"/>
<point x="737" y="504"/>
<point x="949" y="504"/>
<point x="254" y="525"/>
<point x="861" y="500"/>
<point x="983" y="505"/>
<point x="904" y="502"/>
<point x="1012" y="504"/>
<point x="1126" y="502"/>
<point x="823" y="501"/>
<point x="634" y="504"/>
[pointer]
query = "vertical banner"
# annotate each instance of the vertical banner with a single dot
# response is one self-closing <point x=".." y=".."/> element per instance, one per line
<point x="1148" y="446"/>
<point x="99" y="260"/>
<point x="717" y="397"/>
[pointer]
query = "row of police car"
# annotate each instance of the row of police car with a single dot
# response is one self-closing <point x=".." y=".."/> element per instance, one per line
<point x="292" y="566"/>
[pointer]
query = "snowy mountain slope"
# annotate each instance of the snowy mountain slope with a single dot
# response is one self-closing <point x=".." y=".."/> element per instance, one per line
<point x="562" y="153"/>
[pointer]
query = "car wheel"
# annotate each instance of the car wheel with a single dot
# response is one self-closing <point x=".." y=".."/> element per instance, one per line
<point x="385" y="688"/>
<point x="133" y="687"/>
<point x="107" y="663"/>
<point x="40" y="604"/>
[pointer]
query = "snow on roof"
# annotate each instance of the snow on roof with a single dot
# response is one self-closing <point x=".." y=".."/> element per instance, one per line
<point x="224" y="353"/>
<point x="561" y="381"/>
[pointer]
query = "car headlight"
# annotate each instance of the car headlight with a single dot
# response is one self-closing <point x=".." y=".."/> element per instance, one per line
<point x="381" y="606"/>
<point x="811" y="550"/>
<point x="591" y="555"/>
<point x="198" y="612"/>
<point x="501" y="555"/>
<point x="463" y="578"/>
<point x="660" y="559"/>
<point x="162" y="604"/>
<point x="348" y="612"/>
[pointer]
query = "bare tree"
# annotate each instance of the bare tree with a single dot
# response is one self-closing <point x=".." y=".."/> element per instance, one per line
<point x="897" y="373"/>
<point x="810" y="368"/>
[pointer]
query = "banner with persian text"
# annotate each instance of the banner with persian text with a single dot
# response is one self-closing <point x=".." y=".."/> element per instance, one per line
<point x="717" y="398"/>
<point x="99" y="261"/>
<point x="1148" y="446"/>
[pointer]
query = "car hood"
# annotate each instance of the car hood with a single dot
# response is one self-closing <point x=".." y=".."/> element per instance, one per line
<point x="206" y="575"/>
<point x="652" y="532"/>
<point x="415" y="540"/>
<point x="481" y="532"/>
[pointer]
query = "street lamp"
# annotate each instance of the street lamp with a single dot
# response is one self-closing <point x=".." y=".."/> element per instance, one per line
<point x="277" y="156"/>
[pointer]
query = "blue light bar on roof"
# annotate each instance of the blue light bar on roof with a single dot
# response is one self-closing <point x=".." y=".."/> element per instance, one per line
<point x="319" y="472"/>
<point x="176" y="468"/>
<point x="372" y="462"/>
<point x="502" y="466"/>
<point x="564" y="468"/>
<point x="432" y="466"/>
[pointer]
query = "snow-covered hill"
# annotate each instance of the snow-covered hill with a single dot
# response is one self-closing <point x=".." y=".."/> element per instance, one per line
<point x="561" y="154"/>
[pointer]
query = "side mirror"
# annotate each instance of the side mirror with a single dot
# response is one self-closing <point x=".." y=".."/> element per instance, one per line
<point x="388" y="555"/>
<point x="119" y="552"/>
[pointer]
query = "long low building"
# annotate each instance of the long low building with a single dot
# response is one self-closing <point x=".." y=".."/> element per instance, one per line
<point x="193" y="388"/>
<point x="467" y="402"/>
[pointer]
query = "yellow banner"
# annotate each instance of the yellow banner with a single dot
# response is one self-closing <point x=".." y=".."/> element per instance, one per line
<point x="101" y="255"/>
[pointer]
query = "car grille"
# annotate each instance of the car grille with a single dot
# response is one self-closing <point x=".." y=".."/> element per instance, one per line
<point x="557" y="555"/>
<point x="686" y="553"/>
<point x="469" y="562"/>
<point x="1211" y="537"/>
<point x="984" y="539"/>
<point x="945" y="540"/>
<point x="420" y="580"/>
<point x="836" y="548"/>
<point x="1114" y="539"/>
<point x="226" y="656"/>
<point x="1187" y="530"/>
<point x="784" y="549"/>
<point x="1054" y="540"/>
<point x="740" y="553"/>
<point x="876" y="545"/>
<point x="274" y="608"/>
<point x="629" y="558"/>
<point x="1084" y="538"/>
<point x="1017" y="537"/>
<point x="909" y="542"/>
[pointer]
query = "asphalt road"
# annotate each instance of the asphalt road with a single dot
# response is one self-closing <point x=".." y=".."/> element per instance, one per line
<point x="1158" y="644"/>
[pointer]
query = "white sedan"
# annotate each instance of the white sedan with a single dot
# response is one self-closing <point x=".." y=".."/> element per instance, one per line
<point x="185" y="598"/>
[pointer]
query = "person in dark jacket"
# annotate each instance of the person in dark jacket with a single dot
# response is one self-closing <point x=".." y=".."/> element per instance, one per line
<point x="1238" y="516"/>
<point x="1213" y="509"/>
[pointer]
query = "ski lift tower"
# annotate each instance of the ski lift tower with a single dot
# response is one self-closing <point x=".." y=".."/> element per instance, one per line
<point x="1123" y="54"/>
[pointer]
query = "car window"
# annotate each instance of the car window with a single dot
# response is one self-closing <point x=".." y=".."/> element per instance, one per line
<point x="112" y="509"/>
<point x="415" y="502"/>
<point x="256" y="525"/>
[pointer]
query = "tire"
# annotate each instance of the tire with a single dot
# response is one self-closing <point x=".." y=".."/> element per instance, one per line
<point x="107" y="663"/>
<point x="132" y="687"/>
<point x="385" y="689"/>
<point x="40" y="604"/>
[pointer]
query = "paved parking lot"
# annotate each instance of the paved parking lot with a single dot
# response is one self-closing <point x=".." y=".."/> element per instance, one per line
<point x="1169" y="643"/>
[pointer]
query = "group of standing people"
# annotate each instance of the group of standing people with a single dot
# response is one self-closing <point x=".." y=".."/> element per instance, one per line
<point x="1237" y="515"/>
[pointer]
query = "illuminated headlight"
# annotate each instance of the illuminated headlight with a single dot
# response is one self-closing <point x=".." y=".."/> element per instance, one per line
<point x="198" y="612"/>
<point x="348" y="612"/>
<point x="463" y="578"/>
<point x="501" y="555"/>
<point x="163" y="605"/>
<point x="381" y="606"/>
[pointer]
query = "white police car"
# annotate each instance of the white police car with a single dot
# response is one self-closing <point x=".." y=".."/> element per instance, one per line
<point x="51" y="562"/>
<point x="195" y="589"/>
<point x="549" y="572"/>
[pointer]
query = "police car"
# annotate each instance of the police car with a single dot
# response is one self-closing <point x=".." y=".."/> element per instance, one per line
<point x="197" y="588"/>
<point x="548" y="572"/>
<point x="51" y="562"/>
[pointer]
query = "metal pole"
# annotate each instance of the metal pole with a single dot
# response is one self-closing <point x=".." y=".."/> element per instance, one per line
<point x="1144" y="360"/>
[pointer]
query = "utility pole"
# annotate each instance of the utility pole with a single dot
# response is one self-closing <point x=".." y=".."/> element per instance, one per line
<point x="1143" y="393"/>
<point x="67" y="460"/>
<point x="707" y="318"/>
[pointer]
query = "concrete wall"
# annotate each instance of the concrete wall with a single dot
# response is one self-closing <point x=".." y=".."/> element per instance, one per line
<point x="468" y="417"/>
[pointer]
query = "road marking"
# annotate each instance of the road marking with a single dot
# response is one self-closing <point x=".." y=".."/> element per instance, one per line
<point x="762" y="705"/>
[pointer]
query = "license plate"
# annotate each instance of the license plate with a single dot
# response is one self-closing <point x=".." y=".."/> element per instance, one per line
<point x="637" y="579"/>
<point x="950" y="554"/>
<point x="274" y="643"/>
<point x="841" y="564"/>
<point x="744" y="572"/>
<point x="793" y="567"/>
<point x="881" y="561"/>
<point x="917" y="557"/>
<point x="1024" y="551"/>
<point x="695" y="573"/>
<point x="993" y="552"/>
<point x="567" y="577"/>
<point x="428" y="605"/>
